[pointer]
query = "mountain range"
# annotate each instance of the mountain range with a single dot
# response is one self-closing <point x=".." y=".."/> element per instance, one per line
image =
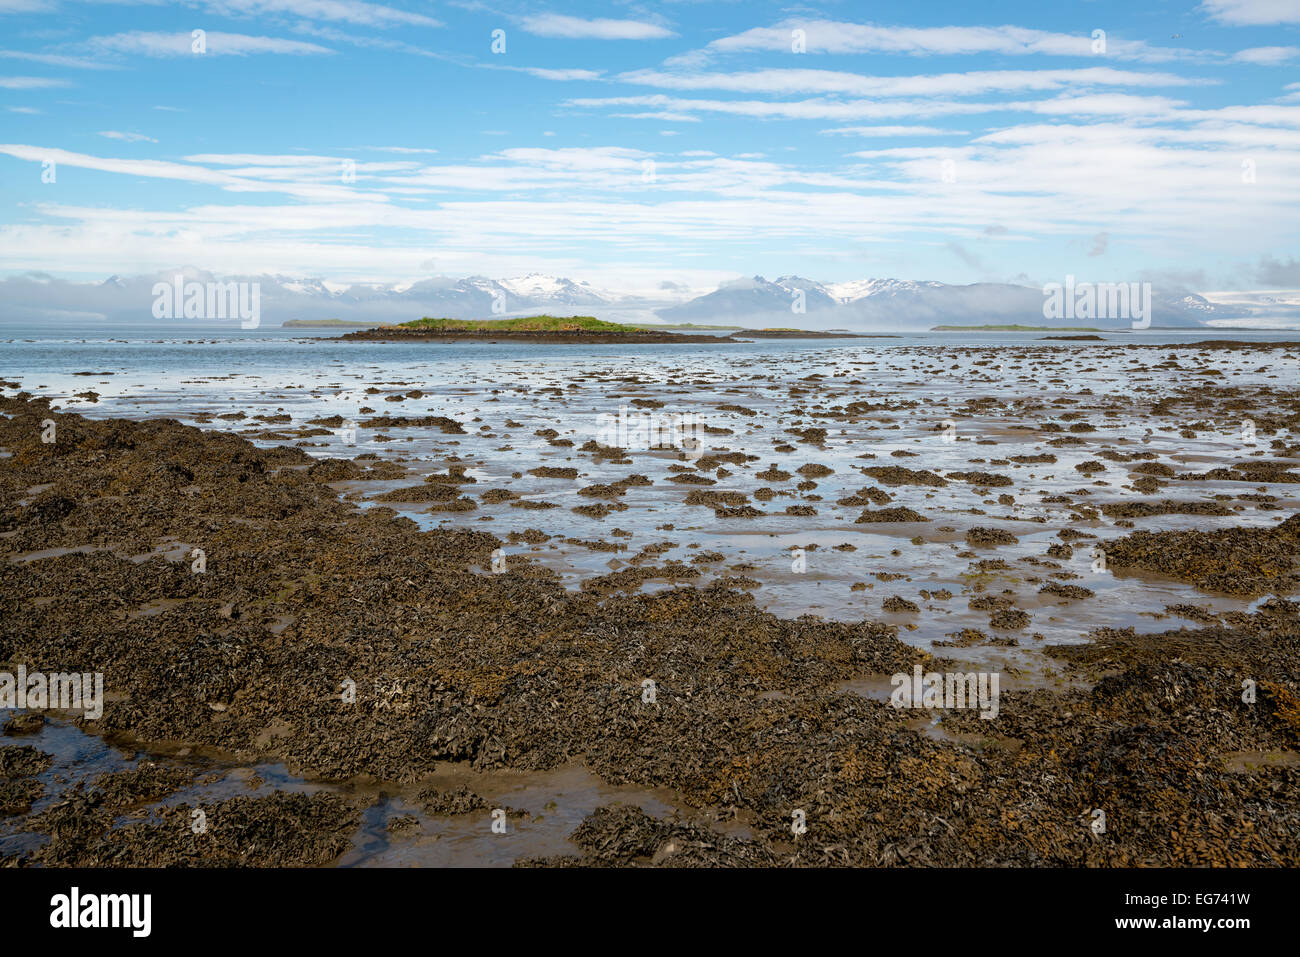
<point x="789" y="301"/>
<point x="910" y="305"/>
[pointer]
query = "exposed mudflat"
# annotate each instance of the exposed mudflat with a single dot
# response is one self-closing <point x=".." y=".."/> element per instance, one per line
<point x="1114" y="530"/>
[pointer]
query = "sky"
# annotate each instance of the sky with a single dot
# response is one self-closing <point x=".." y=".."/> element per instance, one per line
<point x="652" y="147"/>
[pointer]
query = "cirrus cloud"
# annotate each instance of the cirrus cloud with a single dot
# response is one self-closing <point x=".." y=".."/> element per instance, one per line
<point x="575" y="28"/>
<point x="151" y="44"/>
<point x="1239" y="13"/>
<point x="29" y="82"/>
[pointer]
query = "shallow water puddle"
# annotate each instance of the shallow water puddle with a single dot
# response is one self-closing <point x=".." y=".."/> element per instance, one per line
<point x="556" y="802"/>
<point x="553" y="803"/>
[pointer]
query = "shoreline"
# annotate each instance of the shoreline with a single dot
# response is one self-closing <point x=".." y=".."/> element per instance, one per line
<point x="457" y="666"/>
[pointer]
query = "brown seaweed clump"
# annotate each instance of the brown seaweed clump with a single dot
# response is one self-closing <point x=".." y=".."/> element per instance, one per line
<point x="1237" y="561"/>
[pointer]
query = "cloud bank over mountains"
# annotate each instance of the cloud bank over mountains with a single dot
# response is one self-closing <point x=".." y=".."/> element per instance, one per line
<point x="41" y="300"/>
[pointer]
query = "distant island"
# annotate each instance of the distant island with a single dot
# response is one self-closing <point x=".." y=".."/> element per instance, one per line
<point x="1013" y="328"/>
<point x="552" y="329"/>
<point x="569" y="329"/>
<point x="363" y="324"/>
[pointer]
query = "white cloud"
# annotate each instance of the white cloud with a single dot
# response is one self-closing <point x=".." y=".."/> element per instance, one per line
<point x="1267" y="56"/>
<point x="353" y="38"/>
<point x="344" y="11"/>
<point x="1263" y="115"/>
<point x="394" y="149"/>
<point x="142" y="43"/>
<point x="575" y="28"/>
<point x="829" y="36"/>
<point x="258" y="159"/>
<point x="544" y="73"/>
<point x="30" y="82"/>
<point x="54" y="59"/>
<point x="1068" y="181"/>
<point x="1100" y="104"/>
<point x="127" y="137"/>
<point x="659" y="115"/>
<point x="790" y="81"/>
<point x="247" y="181"/>
<point x="1239" y="13"/>
<point x="892" y="131"/>
<point x="569" y="74"/>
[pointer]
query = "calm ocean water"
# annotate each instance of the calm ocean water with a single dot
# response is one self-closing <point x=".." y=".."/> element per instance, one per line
<point x="209" y="348"/>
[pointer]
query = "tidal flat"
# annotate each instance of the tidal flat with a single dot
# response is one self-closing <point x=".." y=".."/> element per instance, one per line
<point x="367" y="607"/>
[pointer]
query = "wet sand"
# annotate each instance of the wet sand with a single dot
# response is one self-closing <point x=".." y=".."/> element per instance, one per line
<point x="1096" y="524"/>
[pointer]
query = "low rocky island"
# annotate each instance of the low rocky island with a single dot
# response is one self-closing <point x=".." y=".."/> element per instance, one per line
<point x="576" y="329"/>
<point x="543" y="329"/>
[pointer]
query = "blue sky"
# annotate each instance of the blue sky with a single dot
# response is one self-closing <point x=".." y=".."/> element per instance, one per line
<point x="635" y="145"/>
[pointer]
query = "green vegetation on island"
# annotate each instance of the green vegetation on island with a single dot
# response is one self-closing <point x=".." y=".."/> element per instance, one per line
<point x="521" y="324"/>
<point x="552" y="329"/>
<point x="573" y="329"/>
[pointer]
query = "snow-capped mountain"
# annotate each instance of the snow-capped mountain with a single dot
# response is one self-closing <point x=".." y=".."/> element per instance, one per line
<point x="885" y="304"/>
<point x="855" y="289"/>
<point x="313" y="287"/>
<point x="538" y="287"/>
<point x="37" y="297"/>
<point x="751" y="297"/>
<point x="859" y="305"/>
<point x="1194" y="303"/>
<point x="525" y="290"/>
<point x="1262" y="309"/>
